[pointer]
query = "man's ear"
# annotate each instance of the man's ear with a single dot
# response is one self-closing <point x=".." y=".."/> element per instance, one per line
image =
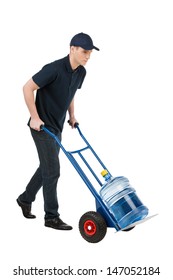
<point x="72" y="48"/>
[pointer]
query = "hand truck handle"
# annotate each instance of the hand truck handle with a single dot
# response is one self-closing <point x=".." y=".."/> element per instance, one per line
<point x="75" y="125"/>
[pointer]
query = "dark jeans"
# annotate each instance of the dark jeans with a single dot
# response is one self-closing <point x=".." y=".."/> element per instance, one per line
<point x="46" y="175"/>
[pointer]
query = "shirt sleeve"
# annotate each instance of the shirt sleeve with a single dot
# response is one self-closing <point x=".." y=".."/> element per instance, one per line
<point x="46" y="75"/>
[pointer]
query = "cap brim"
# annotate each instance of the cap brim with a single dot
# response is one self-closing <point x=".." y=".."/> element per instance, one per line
<point x="97" y="49"/>
<point x="87" y="48"/>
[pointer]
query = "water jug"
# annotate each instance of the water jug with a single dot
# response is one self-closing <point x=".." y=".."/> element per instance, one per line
<point x="121" y="200"/>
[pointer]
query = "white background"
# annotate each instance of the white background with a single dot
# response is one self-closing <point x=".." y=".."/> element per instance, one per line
<point x="125" y="111"/>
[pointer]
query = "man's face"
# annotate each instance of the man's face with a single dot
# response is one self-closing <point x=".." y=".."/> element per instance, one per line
<point x="80" y="55"/>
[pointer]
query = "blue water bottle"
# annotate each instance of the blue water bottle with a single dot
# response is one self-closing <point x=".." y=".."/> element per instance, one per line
<point x="121" y="200"/>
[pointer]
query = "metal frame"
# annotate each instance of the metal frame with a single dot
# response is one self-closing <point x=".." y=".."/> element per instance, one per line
<point x="100" y="206"/>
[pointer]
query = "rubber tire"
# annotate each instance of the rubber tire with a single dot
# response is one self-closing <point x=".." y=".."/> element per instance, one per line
<point x="99" y="226"/>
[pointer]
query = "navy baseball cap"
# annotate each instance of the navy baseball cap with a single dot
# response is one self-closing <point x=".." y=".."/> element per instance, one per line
<point x="84" y="41"/>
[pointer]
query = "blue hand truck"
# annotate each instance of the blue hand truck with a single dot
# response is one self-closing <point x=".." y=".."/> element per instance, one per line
<point x="93" y="224"/>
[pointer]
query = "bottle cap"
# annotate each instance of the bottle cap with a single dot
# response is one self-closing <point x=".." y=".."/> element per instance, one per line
<point x="104" y="172"/>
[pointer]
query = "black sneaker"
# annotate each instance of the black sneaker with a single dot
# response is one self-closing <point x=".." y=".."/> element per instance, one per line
<point x="57" y="223"/>
<point x="26" y="209"/>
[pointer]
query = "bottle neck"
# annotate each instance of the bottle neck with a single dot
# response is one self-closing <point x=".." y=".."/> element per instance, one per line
<point x="107" y="177"/>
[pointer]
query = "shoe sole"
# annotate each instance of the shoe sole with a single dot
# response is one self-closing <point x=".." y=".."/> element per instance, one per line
<point x="58" y="228"/>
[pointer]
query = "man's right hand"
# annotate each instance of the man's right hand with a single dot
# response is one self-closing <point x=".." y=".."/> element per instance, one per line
<point x="36" y="124"/>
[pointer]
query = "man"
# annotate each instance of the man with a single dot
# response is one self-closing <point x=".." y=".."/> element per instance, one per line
<point x="56" y="84"/>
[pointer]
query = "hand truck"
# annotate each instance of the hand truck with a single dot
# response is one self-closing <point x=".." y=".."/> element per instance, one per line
<point x="93" y="224"/>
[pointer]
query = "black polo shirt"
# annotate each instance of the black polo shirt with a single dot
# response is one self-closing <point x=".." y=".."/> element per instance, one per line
<point x="57" y="83"/>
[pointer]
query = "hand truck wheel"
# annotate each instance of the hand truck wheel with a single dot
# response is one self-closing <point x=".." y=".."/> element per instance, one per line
<point x="92" y="227"/>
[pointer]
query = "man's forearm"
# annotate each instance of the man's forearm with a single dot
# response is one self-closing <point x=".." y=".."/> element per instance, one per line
<point x="30" y="102"/>
<point x="71" y="109"/>
<point x="28" y="91"/>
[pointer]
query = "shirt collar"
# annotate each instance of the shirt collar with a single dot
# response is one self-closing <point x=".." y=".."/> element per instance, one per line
<point x="68" y="65"/>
